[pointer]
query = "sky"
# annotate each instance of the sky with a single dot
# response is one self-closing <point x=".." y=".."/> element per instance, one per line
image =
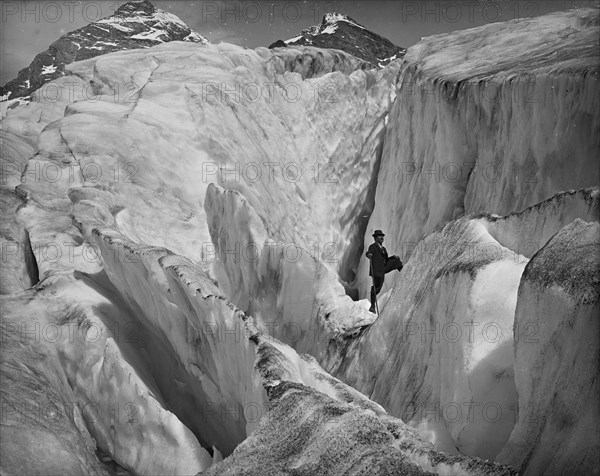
<point x="29" y="27"/>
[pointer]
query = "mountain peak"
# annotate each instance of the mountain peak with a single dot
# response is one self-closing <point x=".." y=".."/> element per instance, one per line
<point x="339" y="31"/>
<point x="136" y="6"/>
<point x="334" y="17"/>
<point x="136" y="24"/>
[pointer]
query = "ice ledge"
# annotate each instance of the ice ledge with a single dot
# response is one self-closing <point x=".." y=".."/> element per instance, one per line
<point x="562" y="41"/>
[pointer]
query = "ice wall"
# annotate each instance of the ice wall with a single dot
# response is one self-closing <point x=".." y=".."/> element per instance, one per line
<point x="237" y="118"/>
<point x="128" y="145"/>
<point x="293" y="295"/>
<point x="42" y="430"/>
<point x="481" y="124"/>
<point x="489" y="119"/>
<point x="78" y="368"/>
<point x="17" y="272"/>
<point x="528" y="231"/>
<point x="556" y="369"/>
<point x="302" y="122"/>
<point x="449" y="335"/>
<point x="141" y="138"/>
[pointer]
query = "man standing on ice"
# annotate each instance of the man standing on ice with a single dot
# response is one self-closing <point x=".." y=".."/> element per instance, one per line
<point x="380" y="265"/>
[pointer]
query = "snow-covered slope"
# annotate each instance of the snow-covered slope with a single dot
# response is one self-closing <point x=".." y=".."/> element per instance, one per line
<point x="302" y="151"/>
<point x="137" y="24"/>
<point x="338" y="31"/>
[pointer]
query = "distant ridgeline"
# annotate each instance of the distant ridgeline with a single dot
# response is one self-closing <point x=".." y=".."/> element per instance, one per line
<point x="138" y="24"/>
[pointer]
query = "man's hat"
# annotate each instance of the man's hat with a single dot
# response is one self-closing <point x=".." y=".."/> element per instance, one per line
<point x="378" y="233"/>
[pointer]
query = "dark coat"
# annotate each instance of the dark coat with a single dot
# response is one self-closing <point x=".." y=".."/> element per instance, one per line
<point x="379" y="258"/>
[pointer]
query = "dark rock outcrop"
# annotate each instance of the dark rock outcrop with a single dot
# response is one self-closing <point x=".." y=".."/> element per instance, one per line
<point x="341" y="32"/>
<point x="135" y="24"/>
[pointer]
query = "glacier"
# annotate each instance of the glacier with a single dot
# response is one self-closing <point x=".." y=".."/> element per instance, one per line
<point x="183" y="287"/>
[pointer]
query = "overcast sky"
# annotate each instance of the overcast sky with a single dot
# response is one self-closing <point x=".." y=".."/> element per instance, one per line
<point x="28" y="27"/>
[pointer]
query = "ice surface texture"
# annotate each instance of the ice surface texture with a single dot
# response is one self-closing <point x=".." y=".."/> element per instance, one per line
<point x="139" y="187"/>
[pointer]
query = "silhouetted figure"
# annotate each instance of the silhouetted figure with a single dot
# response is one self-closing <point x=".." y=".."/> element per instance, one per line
<point x="380" y="265"/>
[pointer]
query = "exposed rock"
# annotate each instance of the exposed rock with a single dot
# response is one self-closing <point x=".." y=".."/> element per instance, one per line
<point x="341" y="32"/>
<point x="137" y="24"/>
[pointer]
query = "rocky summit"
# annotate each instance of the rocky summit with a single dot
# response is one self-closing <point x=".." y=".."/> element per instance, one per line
<point x="341" y="32"/>
<point x="136" y="24"/>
